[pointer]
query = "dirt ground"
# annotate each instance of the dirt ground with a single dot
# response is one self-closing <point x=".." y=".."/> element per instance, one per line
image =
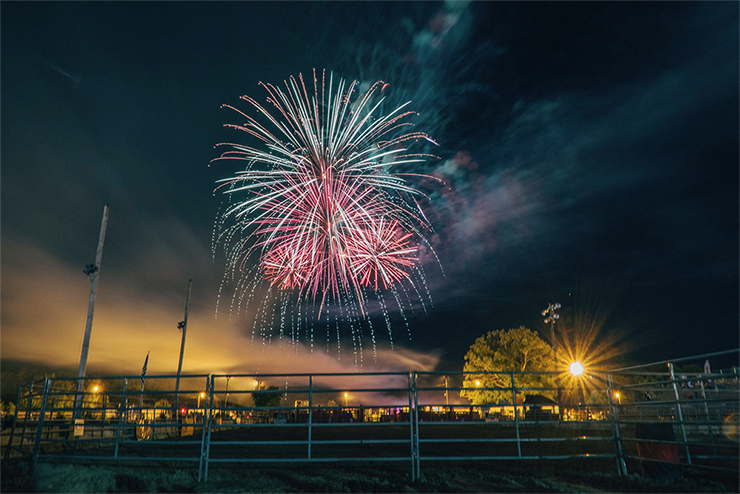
<point x="482" y="477"/>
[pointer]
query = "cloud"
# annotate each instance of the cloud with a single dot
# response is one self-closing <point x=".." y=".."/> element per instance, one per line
<point x="45" y="308"/>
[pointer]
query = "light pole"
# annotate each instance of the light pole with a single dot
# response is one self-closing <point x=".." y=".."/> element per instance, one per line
<point x="447" y="398"/>
<point x="550" y="317"/>
<point x="226" y="400"/>
<point x="346" y="398"/>
<point x="183" y="326"/>
<point x="92" y="270"/>
<point x="201" y="395"/>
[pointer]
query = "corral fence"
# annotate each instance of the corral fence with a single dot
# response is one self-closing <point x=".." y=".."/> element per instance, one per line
<point x="642" y="417"/>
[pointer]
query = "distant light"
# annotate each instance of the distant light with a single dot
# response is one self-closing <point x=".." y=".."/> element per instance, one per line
<point x="616" y="395"/>
<point x="576" y="368"/>
<point x="203" y="394"/>
<point x="477" y="383"/>
<point x="345" y="395"/>
<point x="95" y="389"/>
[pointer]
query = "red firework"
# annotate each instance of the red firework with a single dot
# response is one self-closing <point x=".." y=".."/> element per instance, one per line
<point x="323" y="202"/>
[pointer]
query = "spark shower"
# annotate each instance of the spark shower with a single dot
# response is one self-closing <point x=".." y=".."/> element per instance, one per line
<point x="322" y="223"/>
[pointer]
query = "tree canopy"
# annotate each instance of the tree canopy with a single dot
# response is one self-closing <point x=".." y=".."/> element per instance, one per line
<point x="267" y="399"/>
<point x="517" y="350"/>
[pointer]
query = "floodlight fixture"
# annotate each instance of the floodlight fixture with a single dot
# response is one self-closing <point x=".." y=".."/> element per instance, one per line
<point x="576" y="368"/>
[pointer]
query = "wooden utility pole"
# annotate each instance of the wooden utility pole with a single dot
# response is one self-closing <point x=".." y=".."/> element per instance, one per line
<point x="184" y="327"/>
<point x="94" y="271"/>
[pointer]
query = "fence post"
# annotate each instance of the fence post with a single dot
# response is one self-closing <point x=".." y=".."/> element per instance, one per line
<point x="203" y="430"/>
<point x="42" y="413"/>
<point x="416" y="422"/>
<point x="680" y="414"/>
<point x="15" y="420"/>
<point x="516" y="417"/>
<point x="26" y="416"/>
<point x="212" y="379"/>
<point x="122" y="409"/>
<point x="310" y="412"/>
<point x="709" y="418"/>
<point x="411" y="424"/>
<point x="614" y="416"/>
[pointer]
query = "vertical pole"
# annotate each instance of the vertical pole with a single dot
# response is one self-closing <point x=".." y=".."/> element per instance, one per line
<point x="141" y="402"/>
<point x="554" y="343"/>
<point x="516" y="417"/>
<point x="310" y="412"/>
<point x="226" y="398"/>
<point x="121" y="414"/>
<point x="614" y="416"/>
<point x="15" y="420"/>
<point x="203" y="432"/>
<point x="709" y="419"/>
<point x="680" y="414"/>
<point x="184" y="325"/>
<point x="90" y="308"/>
<point x="447" y="397"/>
<point x="27" y="416"/>
<point x="416" y="426"/>
<point x="411" y="426"/>
<point x="51" y="407"/>
<point x="42" y="412"/>
<point x="210" y="419"/>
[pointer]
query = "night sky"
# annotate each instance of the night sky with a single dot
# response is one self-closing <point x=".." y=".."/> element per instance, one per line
<point x="589" y="153"/>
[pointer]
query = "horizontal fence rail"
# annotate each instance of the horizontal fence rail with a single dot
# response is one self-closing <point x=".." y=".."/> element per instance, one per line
<point x="642" y="417"/>
<point x="667" y="418"/>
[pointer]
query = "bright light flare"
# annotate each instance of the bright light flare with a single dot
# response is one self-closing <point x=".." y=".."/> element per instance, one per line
<point x="585" y="354"/>
<point x="576" y="368"/>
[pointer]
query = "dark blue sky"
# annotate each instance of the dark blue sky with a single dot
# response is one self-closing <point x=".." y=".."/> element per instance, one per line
<point x="591" y="152"/>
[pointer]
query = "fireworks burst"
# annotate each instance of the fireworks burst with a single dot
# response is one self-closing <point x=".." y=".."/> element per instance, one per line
<point x="321" y="204"/>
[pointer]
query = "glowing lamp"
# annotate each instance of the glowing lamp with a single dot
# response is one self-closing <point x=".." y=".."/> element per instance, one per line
<point x="576" y="368"/>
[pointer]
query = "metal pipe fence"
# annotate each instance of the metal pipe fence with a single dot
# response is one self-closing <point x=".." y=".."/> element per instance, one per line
<point x="668" y="418"/>
<point x="401" y="418"/>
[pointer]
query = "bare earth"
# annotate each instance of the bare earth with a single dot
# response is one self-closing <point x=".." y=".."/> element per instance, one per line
<point x="158" y="477"/>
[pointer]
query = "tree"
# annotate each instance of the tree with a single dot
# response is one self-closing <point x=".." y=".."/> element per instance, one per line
<point x="510" y="350"/>
<point x="267" y="399"/>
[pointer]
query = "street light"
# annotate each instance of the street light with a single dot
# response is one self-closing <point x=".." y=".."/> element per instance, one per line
<point x="619" y="400"/>
<point x="576" y="368"/>
<point x="201" y="395"/>
<point x="346" y="397"/>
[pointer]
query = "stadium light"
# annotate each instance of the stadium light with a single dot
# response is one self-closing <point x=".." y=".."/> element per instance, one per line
<point x="576" y="368"/>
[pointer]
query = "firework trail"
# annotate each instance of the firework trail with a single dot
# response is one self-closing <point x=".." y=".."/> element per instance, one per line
<point x="320" y="201"/>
